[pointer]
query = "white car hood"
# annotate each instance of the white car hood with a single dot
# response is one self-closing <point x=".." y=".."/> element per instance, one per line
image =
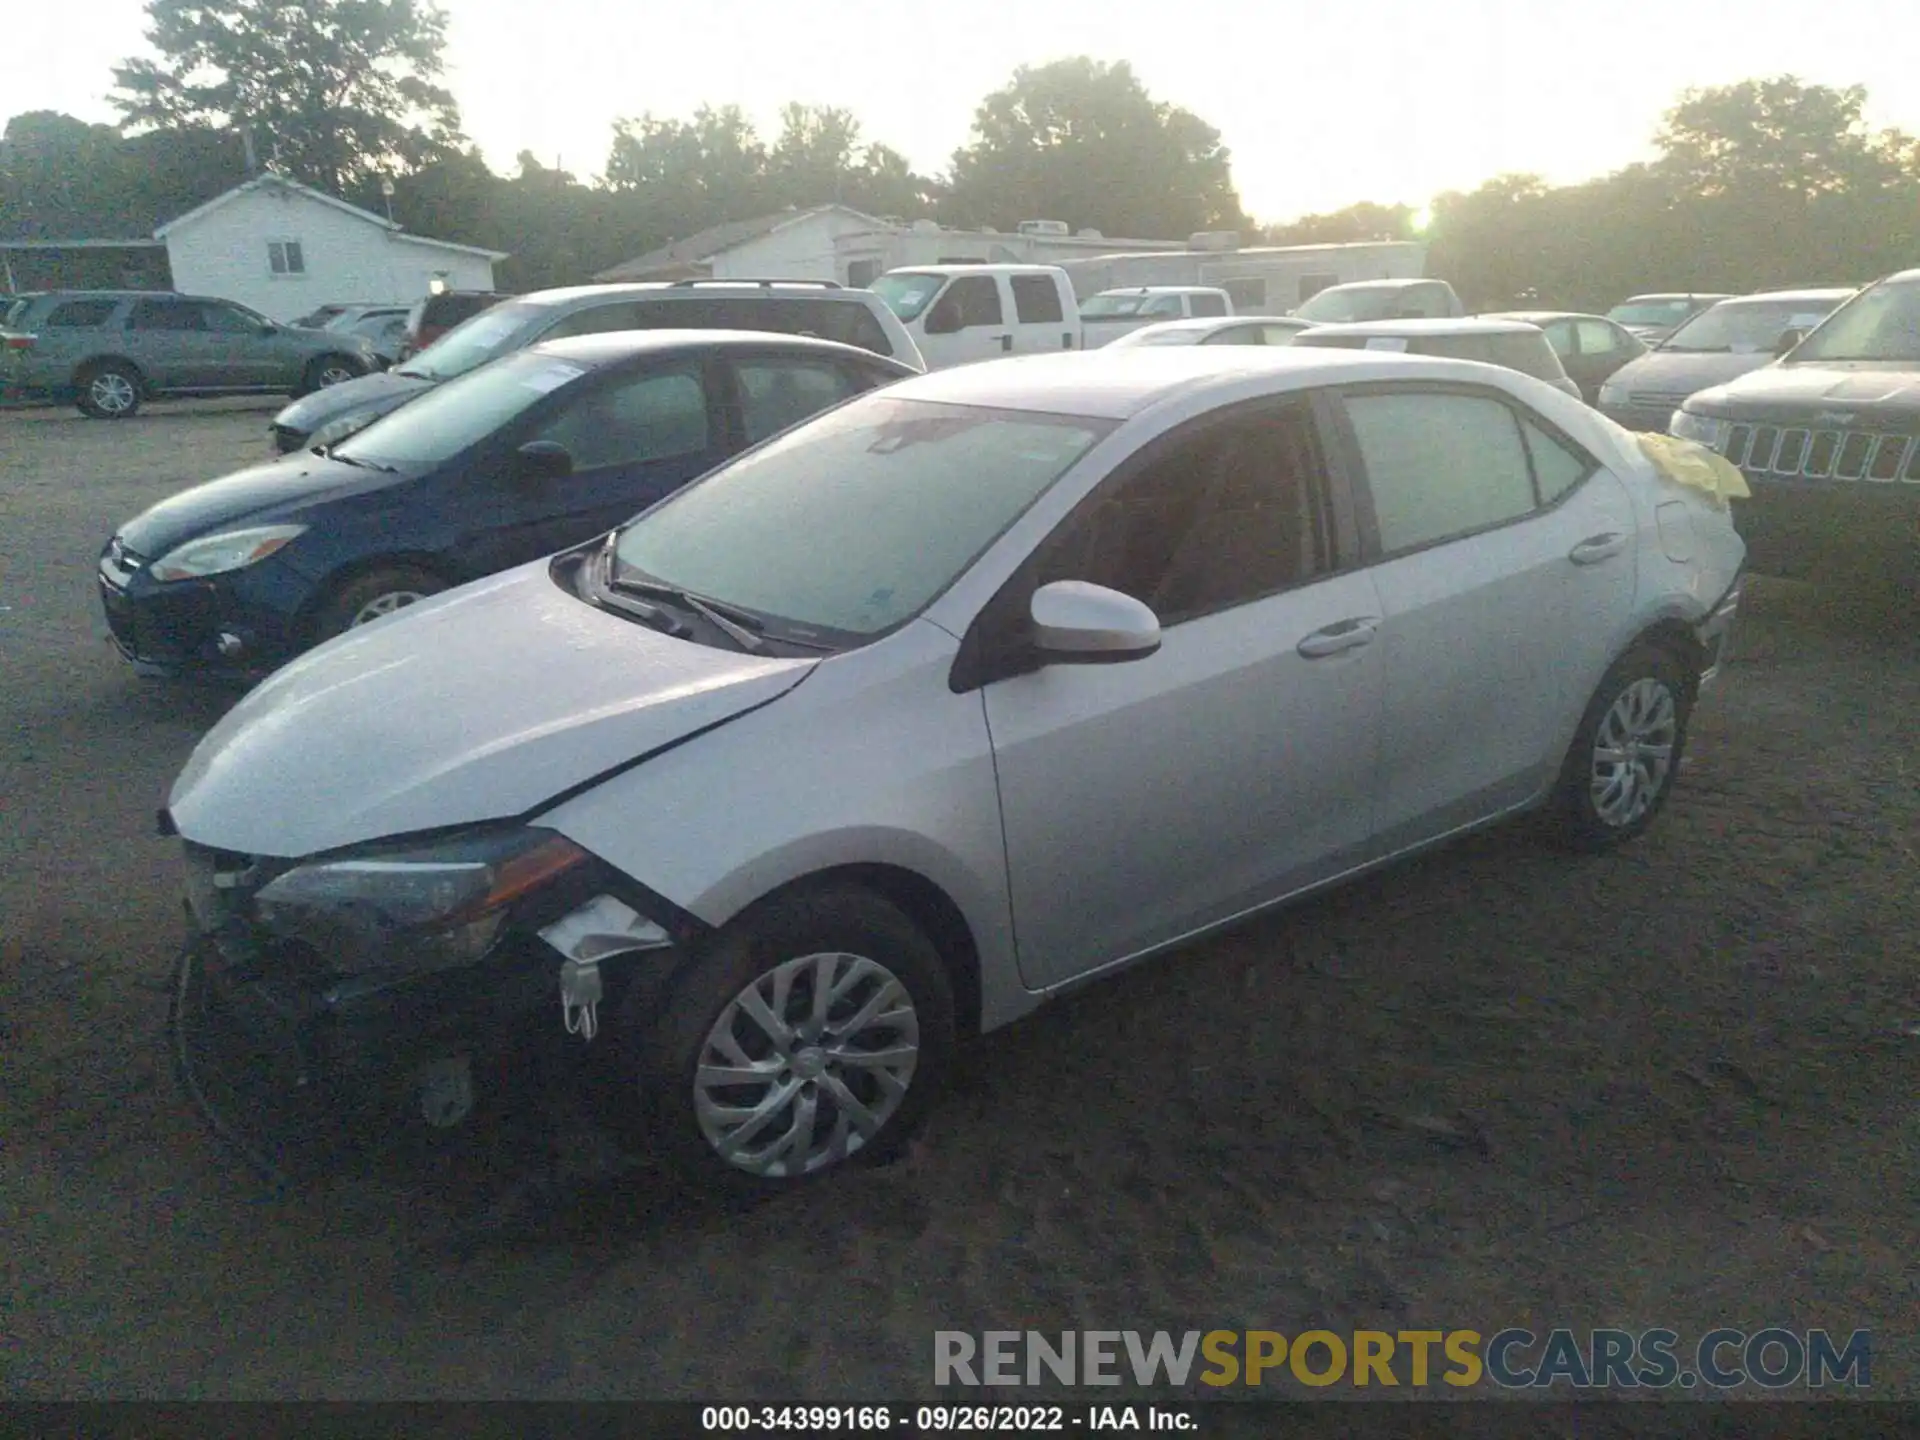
<point x="477" y="705"/>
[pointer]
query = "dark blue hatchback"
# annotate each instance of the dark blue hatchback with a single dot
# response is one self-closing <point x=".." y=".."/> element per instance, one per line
<point x="527" y="455"/>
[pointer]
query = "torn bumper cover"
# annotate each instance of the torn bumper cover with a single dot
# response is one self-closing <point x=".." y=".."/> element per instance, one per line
<point x="318" y="1004"/>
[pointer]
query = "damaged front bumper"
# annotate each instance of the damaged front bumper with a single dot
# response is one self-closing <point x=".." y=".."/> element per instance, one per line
<point x="299" y="1066"/>
<point x="1715" y="632"/>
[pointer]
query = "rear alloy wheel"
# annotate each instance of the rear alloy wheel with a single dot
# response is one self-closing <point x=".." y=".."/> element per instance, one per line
<point x="109" y="392"/>
<point x="1622" y="766"/>
<point x="374" y="596"/>
<point x="812" y="1035"/>
<point x="330" y="370"/>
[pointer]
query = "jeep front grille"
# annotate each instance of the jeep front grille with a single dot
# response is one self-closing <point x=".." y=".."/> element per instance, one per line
<point x="1795" y="454"/>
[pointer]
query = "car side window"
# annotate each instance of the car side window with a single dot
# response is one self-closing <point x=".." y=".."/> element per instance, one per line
<point x="777" y="393"/>
<point x="1218" y="516"/>
<point x="1238" y="335"/>
<point x="1036" y="300"/>
<point x="976" y="299"/>
<point x="1439" y="465"/>
<point x="166" y="315"/>
<point x="600" y="320"/>
<point x="1162" y="307"/>
<point x="655" y="415"/>
<point x="227" y="320"/>
<point x="1278" y="334"/>
<point x="1209" y="305"/>
<point x="1597" y="338"/>
<point x="79" y="315"/>
<point x="1557" y="467"/>
<point x="1560" y="337"/>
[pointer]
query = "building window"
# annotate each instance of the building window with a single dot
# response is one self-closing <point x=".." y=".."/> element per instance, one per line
<point x="285" y="258"/>
<point x="862" y="273"/>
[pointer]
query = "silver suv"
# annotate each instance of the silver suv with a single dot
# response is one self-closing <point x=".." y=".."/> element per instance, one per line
<point x="789" y="307"/>
<point x="108" y="350"/>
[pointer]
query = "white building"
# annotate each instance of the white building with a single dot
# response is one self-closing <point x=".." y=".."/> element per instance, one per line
<point x="283" y="248"/>
<point x="837" y="242"/>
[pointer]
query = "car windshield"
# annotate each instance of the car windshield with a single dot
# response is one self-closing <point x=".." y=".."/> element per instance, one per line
<point x="1881" y="323"/>
<point x="1745" y="327"/>
<point x="853" y="523"/>
<point x="1113" y="307"/>
<point x="1641" y="311"/>
<point x="486" y="336"/>
<point x="450" y="418"/>
<point x="907" y="293"/>
<point x="1345" y="303"/>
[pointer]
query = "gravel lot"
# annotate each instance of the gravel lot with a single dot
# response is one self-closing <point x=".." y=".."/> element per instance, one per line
<point x="1497" y="1086"/>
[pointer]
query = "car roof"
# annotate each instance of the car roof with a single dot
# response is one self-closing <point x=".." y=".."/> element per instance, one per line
<point x="1779" y="296"/>
<point x="1117" y="384"/>
<point x="1677" y="295"/>
<point x="1398" y="283"/>
<point x="571" y="294"/>
<point x="1468" y="325"/>
<point x="983" y="269"/>
<point x="1537" y="317"/>
<point x="614" y="346"/>
<point x="1164" y="290"/>
<point x="1223" y="322"/>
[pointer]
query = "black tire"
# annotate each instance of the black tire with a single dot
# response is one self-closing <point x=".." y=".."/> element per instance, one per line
<point x="347" y="605"/>
<point x="108" y="390"/>
<point x="341" y="367"/>
<point x="1585" y="820"/>
<point x="664" y="1040"/>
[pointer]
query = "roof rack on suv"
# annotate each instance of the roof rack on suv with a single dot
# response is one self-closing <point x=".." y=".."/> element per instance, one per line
<point x="765" y="284"/>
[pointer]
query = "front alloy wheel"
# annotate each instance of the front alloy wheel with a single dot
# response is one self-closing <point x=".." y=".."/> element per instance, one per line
<point x="806" y="1065"/>
<point x="811" y="1033"/>
<point x="1625" y="758"/>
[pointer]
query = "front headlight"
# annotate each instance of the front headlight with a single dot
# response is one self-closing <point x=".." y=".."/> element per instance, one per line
<point x="1613" y="394"/>
<point x="418" y="908"/>
<point x="334" y="431"/>
<point x="217" y="554"/>
<point x="1703" y="429"/>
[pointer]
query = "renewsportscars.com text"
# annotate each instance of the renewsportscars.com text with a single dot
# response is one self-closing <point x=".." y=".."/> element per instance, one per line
<point x="1511" y="1359"/>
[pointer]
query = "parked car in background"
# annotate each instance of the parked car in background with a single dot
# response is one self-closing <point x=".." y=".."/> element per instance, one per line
<point x="1591" y="348"/>
<point x="1829" y="440"/>
<point x="1654" y="317"/>
<point x="1719" y="344"/>
<point x="790" y="785"/>
<point x="109" y="350"/>
<point x="957" y="314"/>
<point x="1511" y="344"/>
<point x="434" y="315"/>
<point x="1382" y="300"/>
<point x="516" y="459"/>
<point x="384" y="327"/>
<point x="1112" y="313"/>
<point x="791" y="307"/>
<point x="1224" y="330"/>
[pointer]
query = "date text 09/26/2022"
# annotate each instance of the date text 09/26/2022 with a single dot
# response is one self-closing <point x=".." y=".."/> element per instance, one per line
<point x="942" y="1419"/>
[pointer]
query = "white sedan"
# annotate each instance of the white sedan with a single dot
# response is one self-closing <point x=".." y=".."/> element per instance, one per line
<point x="1215" y="330"/>
<point x="956" y="696"/>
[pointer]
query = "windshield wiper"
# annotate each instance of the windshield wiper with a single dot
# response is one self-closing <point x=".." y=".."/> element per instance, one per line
<point x="740" y="630"/>
<point x="606" y="595"/>
<point x="327" y="452"/>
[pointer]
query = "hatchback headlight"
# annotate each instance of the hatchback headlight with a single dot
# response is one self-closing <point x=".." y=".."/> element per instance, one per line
<point x="218" y="554"/>
<point x="1704" y="429"/>
<point x="418" y="909"/>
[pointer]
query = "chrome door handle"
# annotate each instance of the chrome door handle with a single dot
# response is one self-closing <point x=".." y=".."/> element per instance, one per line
<point x="1338" y="638"/>
<point x="1597" y="548"/>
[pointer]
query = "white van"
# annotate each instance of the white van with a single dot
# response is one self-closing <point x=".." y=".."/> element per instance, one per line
<point x="1112" y="313"/>
<point x="961" y="313"/>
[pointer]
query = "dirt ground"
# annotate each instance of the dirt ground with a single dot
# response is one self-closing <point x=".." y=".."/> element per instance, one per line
<point x="1495" y="1087"/>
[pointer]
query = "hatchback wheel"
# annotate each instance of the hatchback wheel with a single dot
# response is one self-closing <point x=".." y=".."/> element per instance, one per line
<point x="373" y="596"/>
<point x="109" y="391"/>
<point x="815" y="1032"/>
<point x="1625" y="757"/>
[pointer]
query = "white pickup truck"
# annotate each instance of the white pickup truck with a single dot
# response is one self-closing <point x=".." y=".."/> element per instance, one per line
<point x="961" y="313"/>
<point x="1112" y="313"/>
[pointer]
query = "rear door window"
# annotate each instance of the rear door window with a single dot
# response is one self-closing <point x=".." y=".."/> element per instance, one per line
<point x="1440" y="465"/>
<point x="167" y="315"/>
<point x="778" y="392"/>
<point x="1209" y="305"/>
<point x="1036" y="300"/>
<point x="79" y="314"/>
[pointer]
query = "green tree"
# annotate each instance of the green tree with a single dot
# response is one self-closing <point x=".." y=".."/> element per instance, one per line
<point x="1082" y="141"/>
<point x="700" y="171"/>
<point x="1777" y="135"/>
<point x="333" y="92"/>
<point x="1365" y="221"/>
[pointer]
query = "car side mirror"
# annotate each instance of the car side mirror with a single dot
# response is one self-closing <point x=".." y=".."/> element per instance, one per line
<point x="1077" y="623"/>
<point x="944" y="318"/>
<point x="1788" y="339"/>
<point x="543" y="460"/>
